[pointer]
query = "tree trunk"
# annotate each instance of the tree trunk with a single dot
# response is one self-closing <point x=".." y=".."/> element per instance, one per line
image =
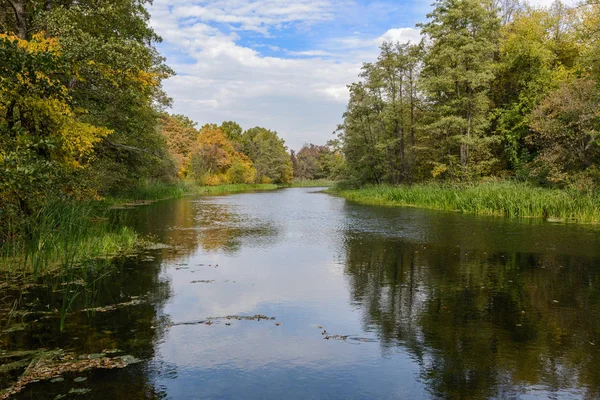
<point x="18" y="7"/>
<point x="10" y="116"/>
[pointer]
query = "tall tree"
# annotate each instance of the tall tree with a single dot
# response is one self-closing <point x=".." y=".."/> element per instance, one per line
<point x="566" y="128"/>
<point x="181" y="134"/>
<point x="462" y="37"/>
<point x="269" y="155"/>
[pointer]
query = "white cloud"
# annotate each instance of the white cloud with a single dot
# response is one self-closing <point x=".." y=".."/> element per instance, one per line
<point x="402" y="35"/>
<point x="253" y="15"/>
<point x="301" y="95"/>
<point x="311" y="53"/>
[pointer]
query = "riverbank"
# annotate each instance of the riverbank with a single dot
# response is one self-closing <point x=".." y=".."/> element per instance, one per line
<point x="157" y="191"/>
<point x="65" y="234"/>
<point x="62" y="235"/>
<point x="505" y="199"/>
<point x="310" y="183"/>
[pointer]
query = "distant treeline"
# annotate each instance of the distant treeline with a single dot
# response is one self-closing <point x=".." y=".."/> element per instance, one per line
<point x="495" y="88"/>
<point x="215" y="155"/>
<point x="225" y="154"/>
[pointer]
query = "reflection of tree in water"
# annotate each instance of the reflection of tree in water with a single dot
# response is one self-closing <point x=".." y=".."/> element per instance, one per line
<point x="223" y="230"/>
<point x="189" y="224"/>
<point x="481" y="325"/>
<point x="133" y="329"/>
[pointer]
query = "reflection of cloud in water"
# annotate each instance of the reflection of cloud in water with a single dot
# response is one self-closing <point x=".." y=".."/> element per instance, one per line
<point x="442" y="293"/>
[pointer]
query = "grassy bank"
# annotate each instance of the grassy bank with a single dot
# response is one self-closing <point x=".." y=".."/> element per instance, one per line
<point x="233" y="188"/>
<point x="498" y="199"/>
<point x="310" y="183"/>
<point x="62" y="235"/>
<point x="162" y="191"/>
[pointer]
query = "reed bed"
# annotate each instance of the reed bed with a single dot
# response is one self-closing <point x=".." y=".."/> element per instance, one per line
<point x="232" y="188"/>
<point x="63" y="234"/>
<point x="508" y="199"/>
<point x="310" y="183"/>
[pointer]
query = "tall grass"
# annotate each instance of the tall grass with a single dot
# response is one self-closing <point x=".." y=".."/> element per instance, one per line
<point x="498" y="198"/>
<point x="310" y="183"/>
<point x="61" y="235"/>
<point x="232" y="188"/>
<point x="152" y="191"/>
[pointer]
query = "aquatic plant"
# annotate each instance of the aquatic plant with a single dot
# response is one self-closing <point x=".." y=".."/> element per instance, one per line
<point x="509" y="199"/>
<point x="61" y="235"/>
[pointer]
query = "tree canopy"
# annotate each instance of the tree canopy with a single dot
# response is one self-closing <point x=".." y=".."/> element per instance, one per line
<point x="495" y="88"/>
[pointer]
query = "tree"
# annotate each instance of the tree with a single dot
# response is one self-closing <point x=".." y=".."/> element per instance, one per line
<point x="180" y="133"/>
<point x="213" y="160"/>
<point x="566" y="128"/>
<point x="233" y="131"/>
<point x="121" y="73"/>
<point x="42" y="136"/>
<point x="380" y="123"/>
<point x="588" y="34"/>
<point x="462" y="40"/>
<point x="115" y="81"/>
<point x="269" y="155"/>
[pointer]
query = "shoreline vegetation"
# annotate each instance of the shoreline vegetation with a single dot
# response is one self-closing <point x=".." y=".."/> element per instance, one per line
<point x="65" y="234"/>
<point x="500" y="199"/>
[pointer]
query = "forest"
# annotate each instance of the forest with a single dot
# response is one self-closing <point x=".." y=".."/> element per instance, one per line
<point x="495" y="89"/>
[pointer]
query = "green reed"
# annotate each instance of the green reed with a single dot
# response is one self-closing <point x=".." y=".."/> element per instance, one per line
<point x="310" y="183"/>
<point x="60" y="235"/>
<point x="507" y="199"/>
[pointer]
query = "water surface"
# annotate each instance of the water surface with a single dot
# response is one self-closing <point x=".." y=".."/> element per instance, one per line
<point x="430" y="304"/>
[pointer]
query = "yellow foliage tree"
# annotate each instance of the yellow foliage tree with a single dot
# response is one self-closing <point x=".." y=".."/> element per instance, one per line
<point x="42" y="136"/>
<point x="180" y="134"/>
<point x="214" y="161"/>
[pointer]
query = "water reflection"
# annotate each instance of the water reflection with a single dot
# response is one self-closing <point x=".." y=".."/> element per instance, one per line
<point x="133" y="330"/>
<point x="201" y="224"/>
<point x="481" y="324"/>
<point x="449" y="306"/>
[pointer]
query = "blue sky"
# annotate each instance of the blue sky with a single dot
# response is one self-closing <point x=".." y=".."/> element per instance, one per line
<point x="281" y="64"/>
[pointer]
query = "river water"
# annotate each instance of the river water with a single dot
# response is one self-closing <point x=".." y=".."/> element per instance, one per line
<point x="369" y="302"/>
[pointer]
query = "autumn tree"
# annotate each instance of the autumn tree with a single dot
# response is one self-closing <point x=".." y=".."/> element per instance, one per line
<point x="316" y="162"/>
<point x="42" y="136"/>
<point x="181" y="134"/>
<point x="213" y="160"/>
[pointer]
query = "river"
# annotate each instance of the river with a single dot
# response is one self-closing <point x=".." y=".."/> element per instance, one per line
<point x="368" y="302"/>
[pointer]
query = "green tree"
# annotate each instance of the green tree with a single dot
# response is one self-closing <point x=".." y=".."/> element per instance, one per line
<point x="536" y="53"/>
<point x="566" y="128"/>
<point x="462" y="37"/>
<point x="380" y="124"/>
<point x="269" y="155"/>
<point x="233" y="131"/>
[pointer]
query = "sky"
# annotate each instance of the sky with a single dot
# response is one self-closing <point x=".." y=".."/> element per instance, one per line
<point x="280" y="64"/>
